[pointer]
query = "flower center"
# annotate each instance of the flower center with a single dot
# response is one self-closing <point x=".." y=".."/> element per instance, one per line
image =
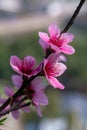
<point x="56" y="42"/>
<point x="50" y="70"/>
<point x="25" y="68"/>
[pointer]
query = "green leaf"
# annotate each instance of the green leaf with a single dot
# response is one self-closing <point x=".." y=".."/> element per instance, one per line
<point x="2" y="120"/>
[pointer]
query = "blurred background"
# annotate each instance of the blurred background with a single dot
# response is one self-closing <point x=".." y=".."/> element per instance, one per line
<point x="20" y="22"/>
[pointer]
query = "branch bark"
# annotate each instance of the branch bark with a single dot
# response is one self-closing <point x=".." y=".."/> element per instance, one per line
<point x="71" y="21"/>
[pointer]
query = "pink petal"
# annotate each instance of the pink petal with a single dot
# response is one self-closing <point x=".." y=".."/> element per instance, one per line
<point x="8" y="91"/>
<point x="53" y="58"/>
<point x="66" y="38"/>
<point x="17" y="81"/>
<point x="31" y="74"/>
<point x="39" y="67"/>
<point x="25" y="109"/>
<point x="44" y="37"/>
<point x="29" y="62"/>
<point x="62" y="58"/>
<point x="38" y="110"/>
<point x="58" y="69"/>
<point x="16" y="114"/>
<point x="37" y="84"/>
<point x="67" y="49"/>
<point x="44" y="44"/>
<point x="54" y="82"/>
<point x="40" y="99"/>
<point x="2" y="100"/>
<point x="16" y="63"/>
<point x="55" y="48"/>
<point x="54" y="31"/>
<point x="45" y="62"/>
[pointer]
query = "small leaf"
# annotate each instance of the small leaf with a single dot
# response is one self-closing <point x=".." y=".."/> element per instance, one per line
<point x="2" y="120"/>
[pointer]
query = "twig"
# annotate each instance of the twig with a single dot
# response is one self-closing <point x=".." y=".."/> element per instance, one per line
<point x="18" y="93"/>
<point x="71" y="21"/>
<point x="14" y="108"/>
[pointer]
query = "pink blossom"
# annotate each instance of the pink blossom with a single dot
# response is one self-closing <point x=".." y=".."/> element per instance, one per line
<point x="25" y="67"/>
<point x="56" y="41"/>
<point x="38" y="96"/>
<point x="54" y="68"/>
<point x="36" y="93"/>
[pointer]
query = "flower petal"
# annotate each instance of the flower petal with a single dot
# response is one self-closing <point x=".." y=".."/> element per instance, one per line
<point x="39" y="67"/>
<point x="25" y="109"/>
<point x="54" y="82"/>
<point x="66" y="38"/>
<point x="16" y="114"/>
<point x="16" y="63"/>
<point x="62" y="58"/>
<point x="38" y="110"/>
<point x="37" y="84"/>
<point x="17" y="81"/>
<point x="44" y="44"/>
<point x="58" y="69"/>
<point x="55" y="48"/>
<point x="29" y="62"/>
<point x="53" y="58"/>
<point x="8" y="91"/>
<point x="40" y="99"/>
<point x="54" y="31"/>
<point x="67" y="49"/>
<point x="44" y="37"/>
<point x="2" y="100"/>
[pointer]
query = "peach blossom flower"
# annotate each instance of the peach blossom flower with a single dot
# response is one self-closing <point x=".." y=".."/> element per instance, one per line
<point x="54" y="68"/>
<point x="56" y="41"/>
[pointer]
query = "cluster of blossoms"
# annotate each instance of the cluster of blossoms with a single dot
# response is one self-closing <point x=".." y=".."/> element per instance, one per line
<point x="28" y="81"/>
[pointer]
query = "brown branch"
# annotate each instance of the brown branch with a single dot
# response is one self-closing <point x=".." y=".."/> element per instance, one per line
<point x="13" y="108"/>
<point x="71" y="21"/>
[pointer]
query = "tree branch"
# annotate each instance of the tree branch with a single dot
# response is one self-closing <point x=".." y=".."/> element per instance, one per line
<point x="71" y="21"/>
<point x="13" y="108"/>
